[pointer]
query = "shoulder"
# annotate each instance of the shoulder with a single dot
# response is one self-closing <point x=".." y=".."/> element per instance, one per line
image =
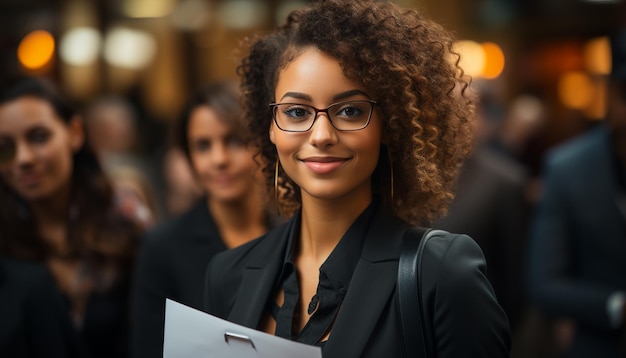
<point x="22" y="271"/>
<point x="25" y="278"/>
<point x="464" y="304"/>
<point x="250" y="253"/>
<point x="453" y="253"/>
<point x="224" y="274"/>
<point x="577" y="151"/>
<point x="166" y="230"/>
<point x="180" y="227"/>
<point x="226" y="270"/>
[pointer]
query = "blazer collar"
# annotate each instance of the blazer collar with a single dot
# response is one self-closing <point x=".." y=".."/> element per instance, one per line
<point x="363" y="303"/>
<point x="372" y="285"/>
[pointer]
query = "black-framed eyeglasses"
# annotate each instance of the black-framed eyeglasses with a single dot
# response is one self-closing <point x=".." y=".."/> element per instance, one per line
<point x="344" y="116"/>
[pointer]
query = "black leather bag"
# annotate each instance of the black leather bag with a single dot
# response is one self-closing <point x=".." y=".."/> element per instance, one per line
<point x="415" y="334"/>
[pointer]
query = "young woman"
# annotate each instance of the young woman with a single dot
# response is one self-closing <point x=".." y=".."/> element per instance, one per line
<point x="362" y="118"/>
<point x="174" y="256"/>
<point x="59" y="209"/>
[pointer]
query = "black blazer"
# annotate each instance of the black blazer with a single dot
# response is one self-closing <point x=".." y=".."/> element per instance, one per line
<point x="34" y="319"/>
<point x="171" y="264"/>
<point x="467" y="319"/>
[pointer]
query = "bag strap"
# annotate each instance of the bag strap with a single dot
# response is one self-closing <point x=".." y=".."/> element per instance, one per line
<point x="414" y="328"/>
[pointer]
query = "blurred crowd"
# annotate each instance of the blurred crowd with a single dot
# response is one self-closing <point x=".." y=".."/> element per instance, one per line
<point x="96" y="233"/>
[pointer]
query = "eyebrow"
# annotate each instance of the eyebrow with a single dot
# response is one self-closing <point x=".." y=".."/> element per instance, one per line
<point x="350" y="93"/>
<point x="336" y="97"/>
<point x="297" y="95"/>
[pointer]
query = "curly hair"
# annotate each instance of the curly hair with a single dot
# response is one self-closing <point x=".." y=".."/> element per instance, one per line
<point x="407" y="61"/>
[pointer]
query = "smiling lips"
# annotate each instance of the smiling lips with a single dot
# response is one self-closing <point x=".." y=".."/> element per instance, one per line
<point x="323" y="165"/>
<point x="28" y="180"/>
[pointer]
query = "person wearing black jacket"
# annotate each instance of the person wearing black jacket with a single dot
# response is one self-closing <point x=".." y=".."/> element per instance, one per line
<point x="35" y="318"/>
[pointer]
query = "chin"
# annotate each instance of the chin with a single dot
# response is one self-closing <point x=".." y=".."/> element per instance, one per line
<point x="228" y="198"/>
<point x="34" y="194"/>
<point x="325" y="194"/>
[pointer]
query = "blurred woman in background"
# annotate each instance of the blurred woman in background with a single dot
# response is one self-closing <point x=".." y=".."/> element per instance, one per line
<point x="174" y="256"/>
<point x="58" y="208"/>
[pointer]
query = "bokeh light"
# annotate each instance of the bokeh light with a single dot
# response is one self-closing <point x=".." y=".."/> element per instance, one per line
<point x="243" y="14"/>
<point x="472" y="57"/>
<point x="129" y="48"/>
<point x="494" y="60"/>
<point x="597" y="56"/>
<point x="80" y="46"/>
<point x="575" y="90"/>
<point x="148" y="8"/>
<point x="191" y="15"/>
<point x="36" y="50"/>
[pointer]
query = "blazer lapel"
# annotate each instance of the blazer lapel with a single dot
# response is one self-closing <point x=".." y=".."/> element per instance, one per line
<point x="260" y="277"/>
<point x="371" y="286"/>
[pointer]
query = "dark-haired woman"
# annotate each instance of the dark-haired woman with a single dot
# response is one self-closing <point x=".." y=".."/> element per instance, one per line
<point x="59" y="209"/>
<point x="174" y="256"/>
<point x="362" y="117"/>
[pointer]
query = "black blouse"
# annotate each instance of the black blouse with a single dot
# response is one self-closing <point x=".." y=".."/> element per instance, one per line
<point x="335" y="275"/>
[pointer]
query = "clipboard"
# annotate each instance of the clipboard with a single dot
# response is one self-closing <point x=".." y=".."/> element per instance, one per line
<point x="191" y="333"/>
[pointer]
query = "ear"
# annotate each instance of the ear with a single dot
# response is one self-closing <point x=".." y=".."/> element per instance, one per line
<point x="272" y="136"/>
<point x="77" y="133"/>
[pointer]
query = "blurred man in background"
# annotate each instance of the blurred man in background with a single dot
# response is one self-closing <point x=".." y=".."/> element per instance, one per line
<point x="577" y="257"/>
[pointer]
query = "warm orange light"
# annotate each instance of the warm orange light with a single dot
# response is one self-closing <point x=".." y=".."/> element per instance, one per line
<point x="597" y="56"/>
<point x="36" y="50"/>
<point x="597" y="108"/>
<point x="472" y="57"/>
<point x="576" y="90"/>
<point x="494" y="60"/>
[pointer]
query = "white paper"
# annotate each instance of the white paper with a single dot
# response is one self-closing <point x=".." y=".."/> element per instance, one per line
<point x="190" y="333"/>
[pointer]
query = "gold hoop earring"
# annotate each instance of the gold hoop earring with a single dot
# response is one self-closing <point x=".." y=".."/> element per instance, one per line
<point x="276" y="186"/>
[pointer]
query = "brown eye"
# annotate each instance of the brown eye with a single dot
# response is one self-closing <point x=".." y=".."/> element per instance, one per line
<point x="235" y="142"/>
<point x="7" y="150"/>
<point x="201" y="145"/>
<point x="38" y="135"/>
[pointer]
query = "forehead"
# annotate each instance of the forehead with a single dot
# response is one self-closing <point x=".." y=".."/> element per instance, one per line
<point x="26" y="112"/>
<point x="314" y="73"/>
<point x="205" y="121"/>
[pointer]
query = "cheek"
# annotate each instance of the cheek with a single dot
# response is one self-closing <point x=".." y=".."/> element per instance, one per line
<point x="243" y="160"/>
<point x="370" y="156"/>
<point x="198" y="162"/>
<point x="61" y="160"/>
<point x="287" y="144"/>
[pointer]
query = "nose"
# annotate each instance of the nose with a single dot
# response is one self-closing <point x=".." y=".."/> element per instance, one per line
<point x="219" y="154"/>
<point x="322" y="134"/>
<point x="24" y="154"/>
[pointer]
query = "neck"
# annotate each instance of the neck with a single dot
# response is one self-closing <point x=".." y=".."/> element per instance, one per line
<point x="239" y="221"/>
<point x="324" y="222"/>
<point x="52" y="209"/>
<point x="50" y="215"/>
